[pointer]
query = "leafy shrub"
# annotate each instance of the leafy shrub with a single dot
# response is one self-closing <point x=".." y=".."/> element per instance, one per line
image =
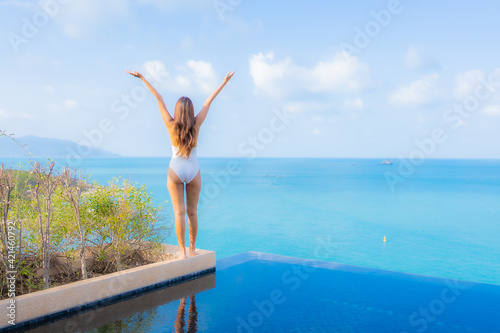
<point x="49" y="220"/>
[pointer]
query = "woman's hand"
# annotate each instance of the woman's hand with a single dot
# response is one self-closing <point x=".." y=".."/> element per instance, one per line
<point x="228" y="77"/>
<point x="200" y="117"/>
<point x="136" y="74"/>
<point x="167" y="118"/>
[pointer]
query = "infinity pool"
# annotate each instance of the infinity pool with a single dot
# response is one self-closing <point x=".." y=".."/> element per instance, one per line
<point x="256" y="292"/>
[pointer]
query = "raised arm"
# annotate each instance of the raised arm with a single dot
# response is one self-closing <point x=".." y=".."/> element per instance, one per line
<point x="200" y="118"/>
<point x="167" y="118"/>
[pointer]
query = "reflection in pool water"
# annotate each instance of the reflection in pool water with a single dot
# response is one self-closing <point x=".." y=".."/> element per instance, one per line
<point x="180" y="323"/>
<point x="156" y="311"/>
<point x="258" y="292"/>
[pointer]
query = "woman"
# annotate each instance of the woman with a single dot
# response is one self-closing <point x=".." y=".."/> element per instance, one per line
<point x="183" y="129"/>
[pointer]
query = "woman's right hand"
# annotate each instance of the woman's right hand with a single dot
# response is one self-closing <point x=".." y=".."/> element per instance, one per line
<point x="229" y="76"/>
<point x="136" y="74"/>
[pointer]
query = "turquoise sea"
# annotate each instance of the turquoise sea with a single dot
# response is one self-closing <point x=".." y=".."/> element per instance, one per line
<point x="441" y="218"/>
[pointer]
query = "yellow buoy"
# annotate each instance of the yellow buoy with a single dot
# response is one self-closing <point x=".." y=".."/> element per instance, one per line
<point x="385" y="239"/>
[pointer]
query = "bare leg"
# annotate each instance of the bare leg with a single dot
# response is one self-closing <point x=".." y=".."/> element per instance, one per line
<point x="180" y="323"/>
<point x="176" y="190"/>
<point x="192" y="195"/>
<point x="193" y="315"/>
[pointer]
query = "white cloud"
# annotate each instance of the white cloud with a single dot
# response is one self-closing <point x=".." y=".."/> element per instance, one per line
<point x="53" y="107"/>
<point x="179" y="4"/>
<point x="466" y="83"/>
<point x="460" y="123"/>
<point x="21" y="116"/>
<point x="317" y="131"/>
<point x="413" y="57"/>
<point x="301" y="107"/>
<point x="475" y="82"/>
<point x="273" y="78"/>
<point x="193" y="78"/>
<point x="341" y="74"/>
<point x="67" y="105"/>
<point x="29" y="59"/>
<point x="48" y="89"/>
<point x="20" y="4"/>
<point x="79" y="18"/>
<point x="492" y="110"/>
<point x="356" y="103"/>
<point x="182" y="85"/>
<point x="418" y="92"/>
<point x="70" y="104"/>
<point x="204" y="76"/>
<point x="417" y="58"/>
<point x="187" y="43"/>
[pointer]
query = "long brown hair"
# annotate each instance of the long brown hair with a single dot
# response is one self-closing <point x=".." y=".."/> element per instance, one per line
<point x="186" y="132"/>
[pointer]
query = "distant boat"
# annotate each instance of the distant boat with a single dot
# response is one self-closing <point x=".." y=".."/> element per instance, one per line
<point x="387" y="162"/>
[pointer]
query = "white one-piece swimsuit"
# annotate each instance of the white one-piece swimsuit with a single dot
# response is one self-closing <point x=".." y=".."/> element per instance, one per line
<point x="185" y="168"/>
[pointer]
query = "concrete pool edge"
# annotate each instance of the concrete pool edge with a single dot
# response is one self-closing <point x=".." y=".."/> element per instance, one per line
<point x="43" y="305"/>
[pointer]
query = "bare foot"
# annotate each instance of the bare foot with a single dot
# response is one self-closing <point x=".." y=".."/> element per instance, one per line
<point x="192" y="252"/>
<point x="182" y="256"/>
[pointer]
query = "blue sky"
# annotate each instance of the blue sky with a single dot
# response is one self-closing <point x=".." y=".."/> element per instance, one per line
<point x="400" y="79"/>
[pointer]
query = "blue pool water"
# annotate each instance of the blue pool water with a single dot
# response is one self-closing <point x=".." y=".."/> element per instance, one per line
<point x="440" y="219"/>
<point x="256" y="292"/>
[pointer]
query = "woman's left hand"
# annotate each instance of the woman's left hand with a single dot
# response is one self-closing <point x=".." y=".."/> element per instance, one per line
<point x="136" y="74"/>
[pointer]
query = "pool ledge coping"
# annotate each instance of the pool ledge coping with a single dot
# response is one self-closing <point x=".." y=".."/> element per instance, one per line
<point x="41" y="305"/>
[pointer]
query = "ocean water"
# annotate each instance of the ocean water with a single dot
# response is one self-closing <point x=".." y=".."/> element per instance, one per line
<point x="441" y="218"/>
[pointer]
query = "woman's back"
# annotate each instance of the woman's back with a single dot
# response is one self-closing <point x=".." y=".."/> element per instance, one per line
<point x="184" y="166"/>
